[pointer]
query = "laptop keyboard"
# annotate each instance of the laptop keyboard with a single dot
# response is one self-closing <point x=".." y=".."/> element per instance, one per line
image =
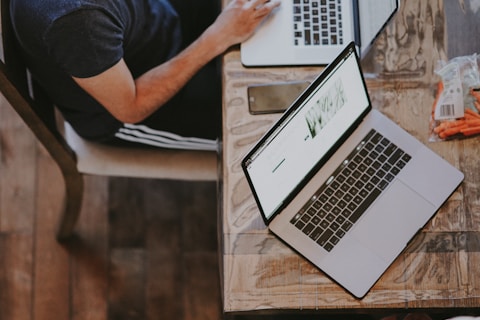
<point x="317" y="22"/>
<point x="347" y="194"/>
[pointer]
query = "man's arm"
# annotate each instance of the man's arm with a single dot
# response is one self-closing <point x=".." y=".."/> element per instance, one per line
<point x="132" y="100"/>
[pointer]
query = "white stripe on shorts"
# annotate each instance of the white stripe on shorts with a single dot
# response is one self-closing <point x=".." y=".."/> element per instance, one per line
<point x="163" y="139"/>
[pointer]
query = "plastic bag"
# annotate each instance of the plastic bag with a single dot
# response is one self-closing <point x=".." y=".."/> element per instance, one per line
<point x="456" y="110"/>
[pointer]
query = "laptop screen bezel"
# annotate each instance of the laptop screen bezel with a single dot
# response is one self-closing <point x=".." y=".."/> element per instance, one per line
<point x="365" y="47"/>
<point x="350" y="48"/>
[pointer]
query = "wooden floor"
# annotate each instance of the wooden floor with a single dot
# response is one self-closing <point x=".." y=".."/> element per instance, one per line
<point x="145" y="249"/>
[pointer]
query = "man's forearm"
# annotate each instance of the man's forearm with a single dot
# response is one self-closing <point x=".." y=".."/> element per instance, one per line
<point x="132" y="100"/>
<point x="157" y="86"/>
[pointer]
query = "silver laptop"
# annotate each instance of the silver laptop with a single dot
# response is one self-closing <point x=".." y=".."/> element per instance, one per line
<point x="314" y="32"/>
<point x="342" y="184"/>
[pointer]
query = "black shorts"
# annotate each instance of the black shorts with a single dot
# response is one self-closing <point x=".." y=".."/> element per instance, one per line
<point x="195" y="112"/>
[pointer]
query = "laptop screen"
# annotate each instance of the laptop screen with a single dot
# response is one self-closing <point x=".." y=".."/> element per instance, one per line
<point x="373" y="15"/>
<point x="307" y="133"/>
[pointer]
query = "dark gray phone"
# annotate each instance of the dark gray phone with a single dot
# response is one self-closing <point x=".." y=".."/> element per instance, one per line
<point x="274" y="97"/>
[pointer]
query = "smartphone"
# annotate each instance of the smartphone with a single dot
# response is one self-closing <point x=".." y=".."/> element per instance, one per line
<point x="274" y="97"/>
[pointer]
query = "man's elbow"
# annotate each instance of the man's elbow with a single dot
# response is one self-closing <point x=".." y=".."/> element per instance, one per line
<point x="130" y="119"/>
<point x="129" y="116"/>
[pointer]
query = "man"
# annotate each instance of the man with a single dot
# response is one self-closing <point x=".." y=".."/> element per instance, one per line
<point x="118" y="68"/>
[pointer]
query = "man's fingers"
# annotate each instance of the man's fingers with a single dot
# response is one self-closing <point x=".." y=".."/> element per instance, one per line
<point x="258" y="4"/>
<point x="264" y="7"/>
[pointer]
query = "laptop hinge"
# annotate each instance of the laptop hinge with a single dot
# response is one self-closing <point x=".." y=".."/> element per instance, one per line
<point x="356" y="23"/>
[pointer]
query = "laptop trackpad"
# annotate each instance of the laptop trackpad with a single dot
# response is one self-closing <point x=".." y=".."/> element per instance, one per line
<point x="397" y="216"/>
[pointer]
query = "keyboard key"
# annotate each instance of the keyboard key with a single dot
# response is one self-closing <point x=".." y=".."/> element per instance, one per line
<point x="395" y="156"/>
<point x="308" y="228"/>
<point x="365" y="204"/>
<point x="316" y="233"/>
<point x="324" y="237"/>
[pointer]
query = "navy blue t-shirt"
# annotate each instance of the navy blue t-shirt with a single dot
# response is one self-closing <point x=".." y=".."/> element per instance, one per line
<point x="83" y="38"/>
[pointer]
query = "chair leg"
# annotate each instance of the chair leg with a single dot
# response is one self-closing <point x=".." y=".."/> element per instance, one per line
<point x="74" y="187"/>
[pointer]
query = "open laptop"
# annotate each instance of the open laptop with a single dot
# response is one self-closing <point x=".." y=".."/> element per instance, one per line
<point x="342" y="184"/>
<point x="314" y="32"/>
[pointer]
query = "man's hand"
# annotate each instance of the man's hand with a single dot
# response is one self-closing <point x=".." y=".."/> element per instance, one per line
<point x="240" y="18"/>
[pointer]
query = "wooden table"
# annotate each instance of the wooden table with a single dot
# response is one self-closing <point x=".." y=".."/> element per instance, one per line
<point x="440" y="270"/>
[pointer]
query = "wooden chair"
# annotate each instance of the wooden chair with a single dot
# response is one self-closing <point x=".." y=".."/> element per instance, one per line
<point x="76" y="156"/>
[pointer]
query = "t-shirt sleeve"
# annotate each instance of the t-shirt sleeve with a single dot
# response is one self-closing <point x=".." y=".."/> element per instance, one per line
<point x="85" y="42"/>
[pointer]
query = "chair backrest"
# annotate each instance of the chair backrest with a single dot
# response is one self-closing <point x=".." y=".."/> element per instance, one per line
<point x="26" y="97"/>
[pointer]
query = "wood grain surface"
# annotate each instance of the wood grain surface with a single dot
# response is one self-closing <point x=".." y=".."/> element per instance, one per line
<point x="438" y="270"/>
<point x="143" y="248"/>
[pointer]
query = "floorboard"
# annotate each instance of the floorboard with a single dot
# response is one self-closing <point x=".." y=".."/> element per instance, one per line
<point x="143" y="249"/>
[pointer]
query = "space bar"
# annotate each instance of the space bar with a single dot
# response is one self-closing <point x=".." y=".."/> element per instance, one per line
<point x="364" y="206"/>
